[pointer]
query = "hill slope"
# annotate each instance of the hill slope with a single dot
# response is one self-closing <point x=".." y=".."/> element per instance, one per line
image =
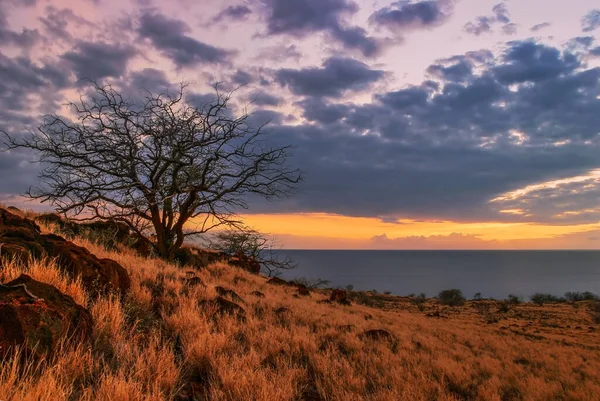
<point x="177" y="336"/>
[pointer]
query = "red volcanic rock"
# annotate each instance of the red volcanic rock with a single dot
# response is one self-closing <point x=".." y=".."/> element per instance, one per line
<point x="277" y="281"/>
<point x="221" y="306"/>
<point x="303" y="290"/>
<point x="339" y="296"/>
<point x="378" y="334"/>
<point x="96" y="274"/>
<point x="22" y="238"/>
<point x="37" y="317"/>
<point x="247" y="263"/>
<point x="226" y="292"/>
<point x="198" y="257"/>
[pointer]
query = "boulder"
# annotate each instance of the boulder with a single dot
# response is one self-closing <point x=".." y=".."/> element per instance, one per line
<point x="38" y="317"/>
<point x="96" y="274"/>
<point x="257" y="294"/>
<point x="378" y="334"/>
<point x="226" y="292"/>
<point x="222" y="306"/>
<point x="339" y="296"/>
<point x="198" y="257"/>
<point x="278" y="281"/>
<point x="244" y="262"/>
<point x="303" y="290"/>
<point x="22" y="238"/>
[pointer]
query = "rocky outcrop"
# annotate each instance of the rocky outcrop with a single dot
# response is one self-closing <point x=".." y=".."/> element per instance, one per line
<point x="198" y="257"/>
<point x="244" y="262"/>
<point x="37" y="317"/>
<point x="109" y="233"/>
<point x="339" y="296"/>
<point x="221" y="306"/>
<point x="22" y="238"/>
<point x="226" y="292"/>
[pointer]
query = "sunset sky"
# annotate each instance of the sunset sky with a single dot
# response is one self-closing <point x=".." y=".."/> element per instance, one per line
<point x="440" y="124"/>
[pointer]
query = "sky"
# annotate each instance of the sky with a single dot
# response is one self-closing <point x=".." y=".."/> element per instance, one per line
<point x="438" y="124"/>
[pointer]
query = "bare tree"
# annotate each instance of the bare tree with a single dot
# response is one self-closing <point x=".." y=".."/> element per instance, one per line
<point x="162" y="166"/>
<point x="253" y="245"/>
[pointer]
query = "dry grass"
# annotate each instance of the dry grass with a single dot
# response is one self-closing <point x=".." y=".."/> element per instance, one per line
<point x="157" y="340"/>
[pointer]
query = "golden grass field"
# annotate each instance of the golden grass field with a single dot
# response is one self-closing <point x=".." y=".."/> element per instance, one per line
<point x="152" y="347"/>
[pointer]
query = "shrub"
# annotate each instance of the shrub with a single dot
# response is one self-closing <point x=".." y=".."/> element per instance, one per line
<point x="477" y="296"/>
<point x="419" y="301"/>
<point x="542" y="298"/>
<point x="312" y="283"/>
<point x="513" y="299"/>
<point x="580" y="296"/>
<point x="452" y="297"/>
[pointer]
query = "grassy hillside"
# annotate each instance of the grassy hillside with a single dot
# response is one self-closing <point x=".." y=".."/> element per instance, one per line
<point x="167" y="341"/>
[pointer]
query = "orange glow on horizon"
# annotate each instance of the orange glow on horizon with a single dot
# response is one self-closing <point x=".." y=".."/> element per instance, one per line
<point x="323" y="225"/>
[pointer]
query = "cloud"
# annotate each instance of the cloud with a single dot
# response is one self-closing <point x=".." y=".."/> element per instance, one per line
<point x="337" y="75"/>
<point x="236" y="13"/>
<point x="539" y="27"/>
<point x="485" y="24"/>
<point x="481" y="126"/>
<point x="265" y="99"/>
<point x="301" y="18"/>
<point x="403" y="16"/>
<point x="590" y="21"/>
<point x="96" y="60"/>
<point x="24" y="39"/>
<point x="169" y="36"/>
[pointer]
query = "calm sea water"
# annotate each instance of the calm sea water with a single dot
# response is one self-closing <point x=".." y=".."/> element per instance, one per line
<point x="492" y="273"/>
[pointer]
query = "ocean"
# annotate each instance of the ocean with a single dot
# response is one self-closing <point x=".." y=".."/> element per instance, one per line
<point x="494" y="274"/>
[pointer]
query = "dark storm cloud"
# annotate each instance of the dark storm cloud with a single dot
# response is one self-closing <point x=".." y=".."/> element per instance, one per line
<point x="337" y="75"/>
<point x="445" y="148"/>
<point x="590" y="21"/>
<point x="170" y="37"/>
<point x="241" y="77"/>
<point x="538" y="27"/>
<point x="96" y="60"/>
<point x="265" y="99"/>
<point x="402" y="16"/>
<point x="24" y="39"/>
<point x="595" y="51"/>
<point x="485" y="24"/>
<point x="457" y="69"/>
<point x="236" y="13"/>
<point x="530" y="61"/>
<point x="301" y="18"/>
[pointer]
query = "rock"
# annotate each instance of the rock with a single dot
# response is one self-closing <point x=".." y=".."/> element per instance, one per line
<point x="195" y="281"/>
<point x="225" y="292"/>
<point x="22" y="238"/>
<point x="325" y="301"/>
<point x="282" y="310"/>
<point x="245" y="262"/>
<point x="378" y="334"/>
<point x="198" y="257"/>
<point x="257" y="294"/>
<point x="437" y="314"/>
<point x="303" y="290"/>
<point x="14" y="210"/>
<point x="346" y="328"/>
<point x="222" y="306"/>
<point x="339" y="296"/>
<point x="38" y="316"/>
<point x="97" y="275"/>
<point x="277" y="281"/>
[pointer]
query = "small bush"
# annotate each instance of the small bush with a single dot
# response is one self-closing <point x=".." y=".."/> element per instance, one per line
<point x="580" y="296"/>
<point x="477" y="296"/>
<point x="452" y="297"/>
<point x="595" y="311"/>
<point x="419" y="300"/>
<point x="312" y="283"/>
<point x="542" y="298"/>
<point x="513" y="299"/>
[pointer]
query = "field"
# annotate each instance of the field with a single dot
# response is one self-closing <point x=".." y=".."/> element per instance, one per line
<point x="168" y="341"/>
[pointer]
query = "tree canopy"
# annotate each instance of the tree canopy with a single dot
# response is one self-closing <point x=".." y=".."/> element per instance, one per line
<point x="162" y="166"/>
